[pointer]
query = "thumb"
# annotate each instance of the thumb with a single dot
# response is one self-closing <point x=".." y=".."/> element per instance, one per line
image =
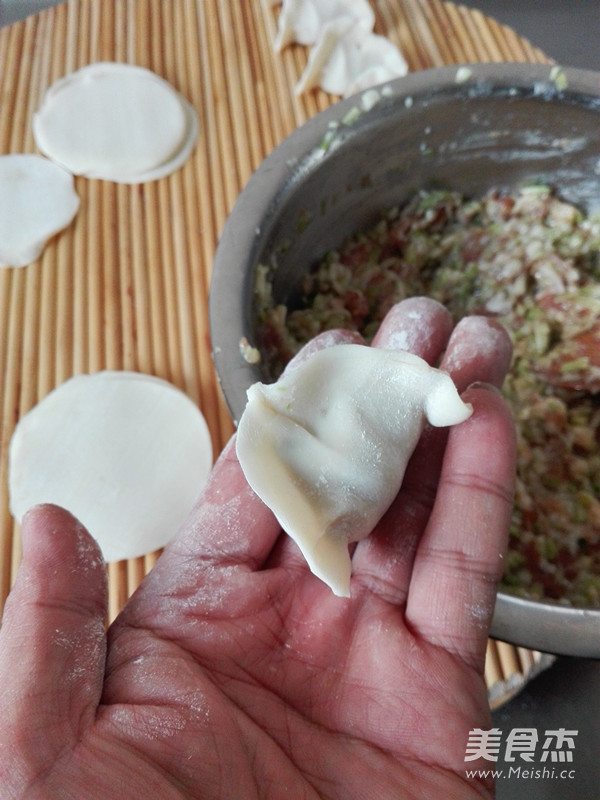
<point x="52" y="641"/>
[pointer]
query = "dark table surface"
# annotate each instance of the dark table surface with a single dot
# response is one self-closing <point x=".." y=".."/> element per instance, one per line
<point x="568" y="31"/>
<point x="567" y="696"/>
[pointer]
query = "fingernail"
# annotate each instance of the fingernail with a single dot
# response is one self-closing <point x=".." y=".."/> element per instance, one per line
<point x="488" y="387"/>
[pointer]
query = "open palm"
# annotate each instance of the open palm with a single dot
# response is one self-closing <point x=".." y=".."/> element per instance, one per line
<point x="233" y="672"/>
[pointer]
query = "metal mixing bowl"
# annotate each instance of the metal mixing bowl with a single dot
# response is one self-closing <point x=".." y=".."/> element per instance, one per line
<point x="467" y="128"/>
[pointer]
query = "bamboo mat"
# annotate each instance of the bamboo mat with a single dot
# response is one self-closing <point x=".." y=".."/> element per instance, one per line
<point x="126" y="285"/>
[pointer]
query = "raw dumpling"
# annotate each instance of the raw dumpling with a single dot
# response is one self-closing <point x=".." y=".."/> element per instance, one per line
<point x="37" y="199"/>
<point x="326" y="446"/>
<point x="303" y="20"/>
<point x="126" y="453"/>
<point x="116" y="122"/>
<point x="347" y="59"/>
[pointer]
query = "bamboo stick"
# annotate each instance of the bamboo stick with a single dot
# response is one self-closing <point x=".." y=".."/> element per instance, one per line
<point x="278" y="87"/>
<point x="203" y="208"/>
<point x="493" y="670"/>
<point x="456" y="25"/>
<point x="448" y="34"/>
<point x="508" y="658"/>
<point x="9" y="364"/>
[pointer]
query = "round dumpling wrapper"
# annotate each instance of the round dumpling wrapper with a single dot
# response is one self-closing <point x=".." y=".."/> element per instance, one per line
<point x="116" y="122"/>
<point x="126" y="453"/>
<point x="37" y="200"/>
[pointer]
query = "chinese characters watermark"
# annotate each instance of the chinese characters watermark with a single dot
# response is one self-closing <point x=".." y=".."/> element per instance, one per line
<point x="522" y="749"/>
<point x="557" y="745"/>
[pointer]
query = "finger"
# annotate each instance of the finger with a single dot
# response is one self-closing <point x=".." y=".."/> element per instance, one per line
<point x="229" y="523"/>
<point x="478" y="350"/>
<point x="459" y="558"/>
<point x="323" y="340"/>
<point x="418" y="325"/>
<point x="52" y="641"/>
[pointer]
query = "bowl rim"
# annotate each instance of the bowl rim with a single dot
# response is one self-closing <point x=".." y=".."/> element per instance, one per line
<point x="551" y="627"/>
<point x="248" y="223"/>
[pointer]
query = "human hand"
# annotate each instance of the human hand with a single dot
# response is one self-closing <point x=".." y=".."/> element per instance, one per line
<point x="233" y="672"/>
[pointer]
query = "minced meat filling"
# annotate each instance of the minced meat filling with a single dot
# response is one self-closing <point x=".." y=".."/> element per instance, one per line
<point x="532" y="261"/>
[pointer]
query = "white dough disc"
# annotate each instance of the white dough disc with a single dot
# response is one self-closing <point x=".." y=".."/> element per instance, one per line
<point x="37" y="200"/>
<point x="126" y="453"/>
<point x="116" y="122"/>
